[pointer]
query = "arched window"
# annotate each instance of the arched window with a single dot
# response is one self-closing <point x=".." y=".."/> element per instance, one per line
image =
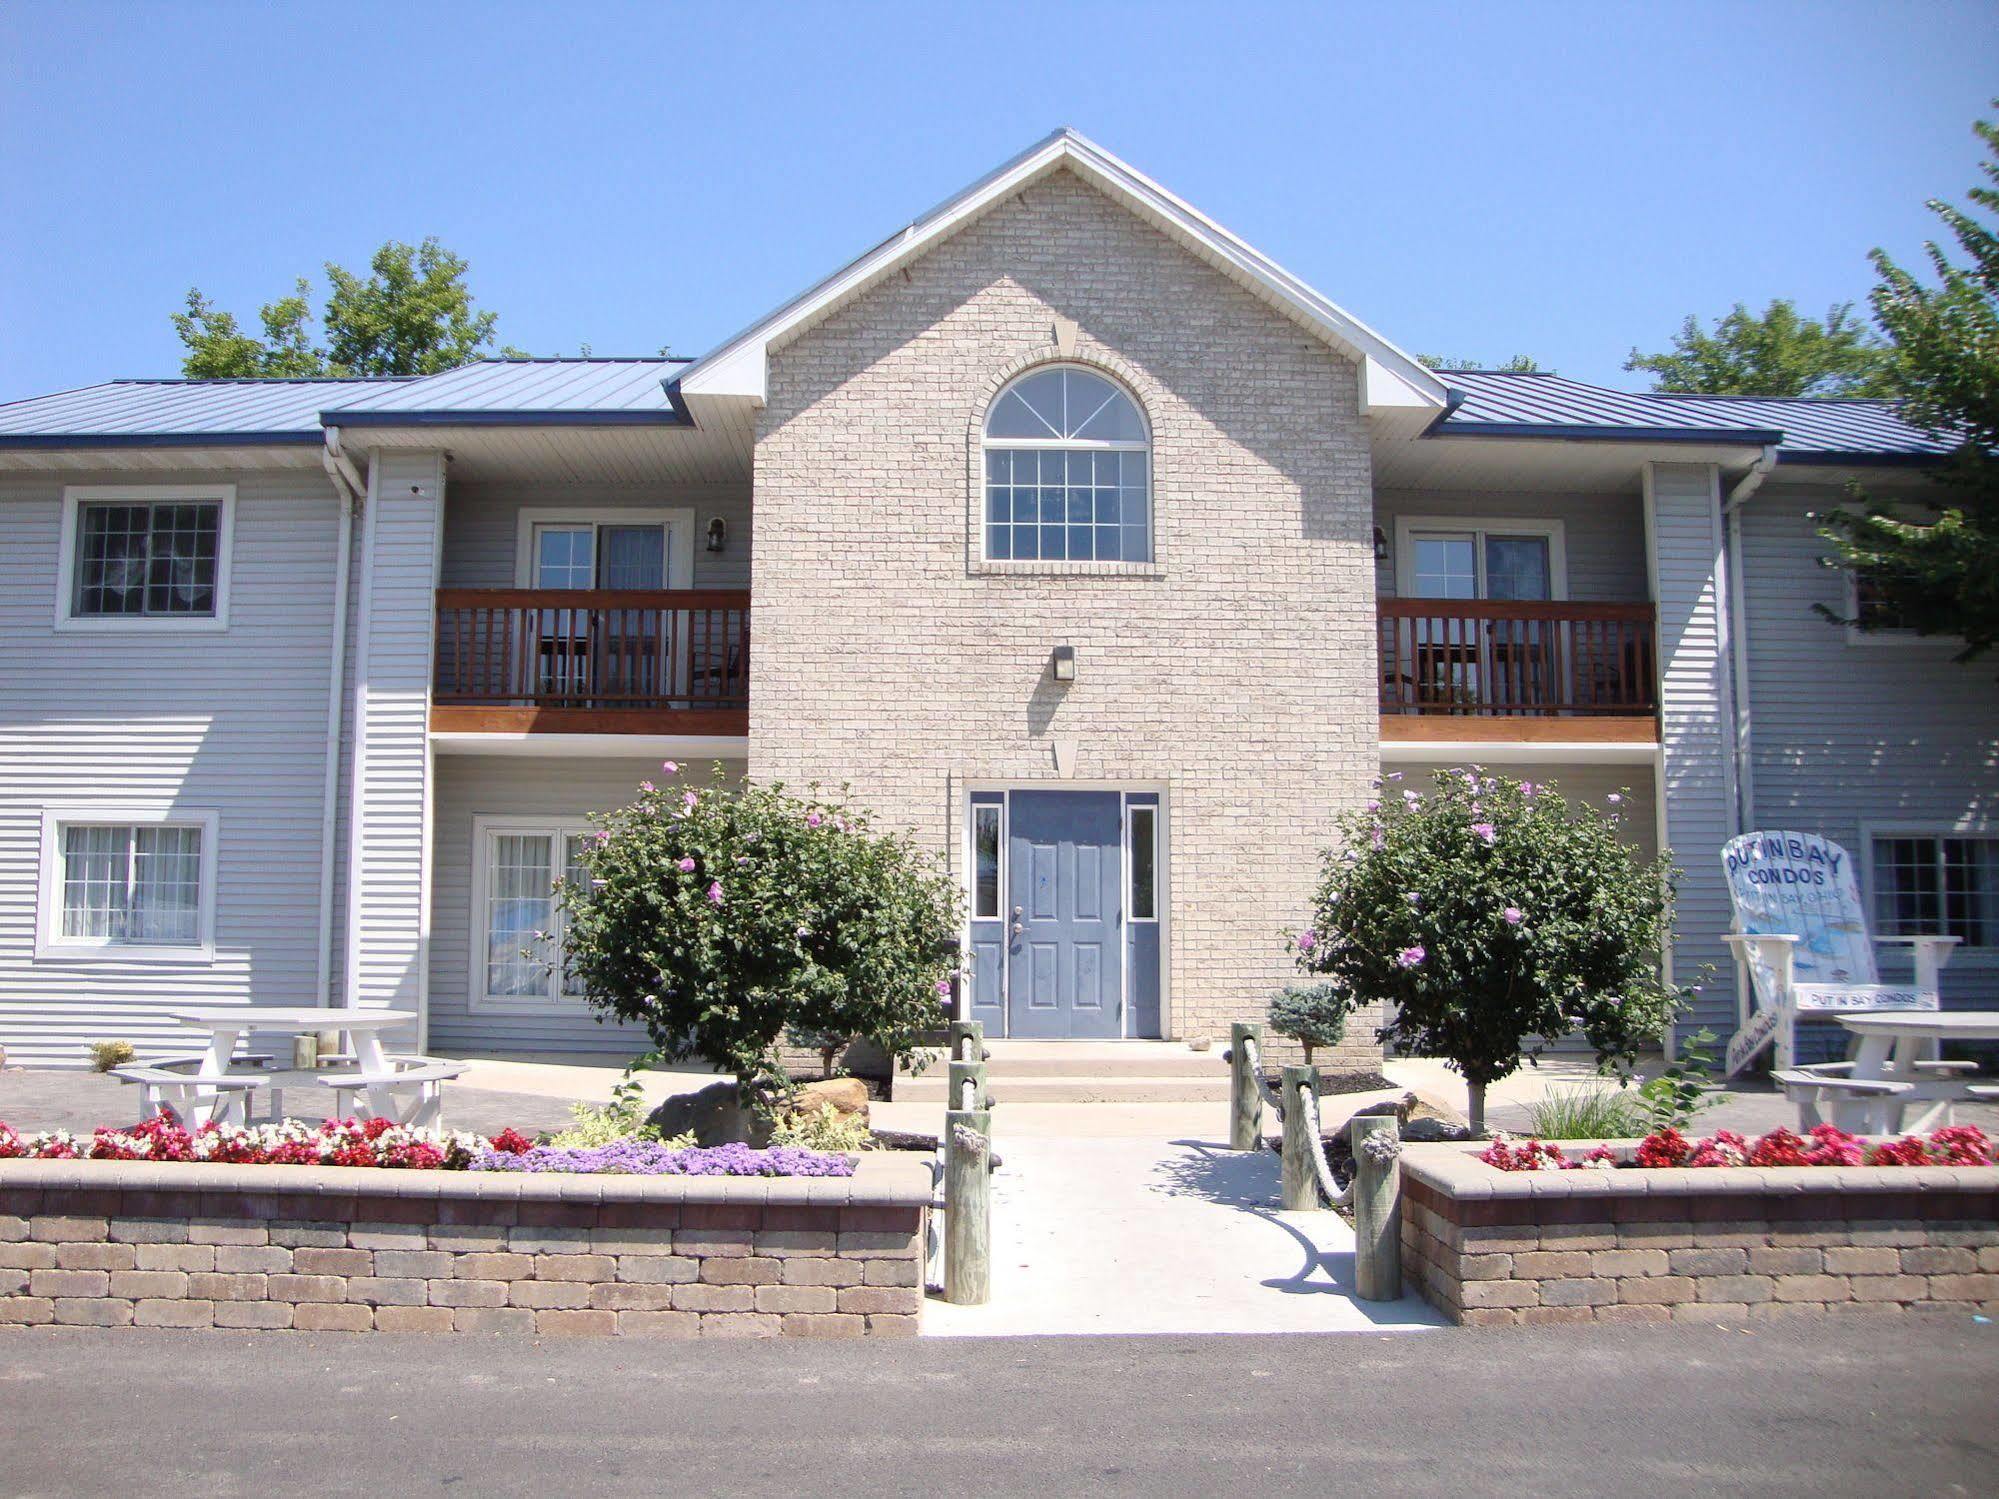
<point x="1068" y="471"/>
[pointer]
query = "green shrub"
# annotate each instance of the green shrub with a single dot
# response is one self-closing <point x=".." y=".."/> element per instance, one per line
<point x="1584" y="1112"/>
<point x="104" y="1055"/>
<point x="1674" y="1098"/>
<point x="1313" y="1015"/>
<point x="1489" y="910"/>
<point x="824" y="1129"/>
<point x="624" y="1117"/>
<point x="718" y="919"/>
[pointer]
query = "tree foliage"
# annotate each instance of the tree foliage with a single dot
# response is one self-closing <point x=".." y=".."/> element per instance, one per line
<point x="1489" y="910"/>
<point x="1776" y="352"/>
<point x="718" y="919"/>
<point x="1519" y="364"/>
<point x="412" y="314"/>
<point x="1936" y="571"/>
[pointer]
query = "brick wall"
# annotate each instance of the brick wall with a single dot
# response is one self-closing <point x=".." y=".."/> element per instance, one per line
<point x="654" y="1257"/>
<point x="1735" y="1245"/>
<point x="1237" y="671"/>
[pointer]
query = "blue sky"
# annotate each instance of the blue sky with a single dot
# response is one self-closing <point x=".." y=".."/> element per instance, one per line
<point x="1560" y="180"/>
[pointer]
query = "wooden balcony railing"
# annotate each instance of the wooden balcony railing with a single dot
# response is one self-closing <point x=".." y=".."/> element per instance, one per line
<point x="1493" y="659"/>
<point x="593" y="660"/>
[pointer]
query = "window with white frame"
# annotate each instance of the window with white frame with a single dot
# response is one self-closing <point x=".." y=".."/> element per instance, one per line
<point x="1936" y="883"/>
<point x="128" y="883"/>
<point x="144" y="556"/>
<point x="1068" y="471"/>
<point x="518" y="923"/>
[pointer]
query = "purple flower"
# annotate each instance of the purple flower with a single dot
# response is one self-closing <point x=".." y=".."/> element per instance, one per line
<point x="1409" y="957"/>
<point x="715" y="893"/>
<point x="943" y="988"/>
<point x="1413" y="898"/>
<point x="1395" y="775"/>
<point x="688" y="799"/>
<point x="1412" y="797"/>
<point x="1486" y="831"/>
<point x="1374" y="806"/>
<point x="1513" y="915"/>
<point x="635" y="1157"/>
<point x="1380" y="840"/>
<point x="647" y="787"/>
<point x="603" y="837"/>
<point x="685" y="866"/>
<point x="1307" y="940"/>
<point x="813" y="819"/>
<point x="671" y="767"/>
<point x="1528" y="788"/>
<point x="1613" y="798"/>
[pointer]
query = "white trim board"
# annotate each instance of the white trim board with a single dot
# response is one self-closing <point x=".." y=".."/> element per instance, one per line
<point x="592" y="746"/>
<point x="1519" y="752"/>
<point x="76" y="496"/>
<point x="1479" y="527"/>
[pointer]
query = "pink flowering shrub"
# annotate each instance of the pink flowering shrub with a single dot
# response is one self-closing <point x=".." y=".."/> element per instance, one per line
<point x="1953" y="1145"/>
<point x="720" y="917"/>
<point x="1486" y="910"/>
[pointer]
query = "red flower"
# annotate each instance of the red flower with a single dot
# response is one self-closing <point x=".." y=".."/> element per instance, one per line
<point x="1665" y="1147"/>
<point x="511" y="1141"/>
<point x="1781" y="1147"/>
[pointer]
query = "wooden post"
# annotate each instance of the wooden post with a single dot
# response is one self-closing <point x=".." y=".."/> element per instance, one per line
<point x="968" y="1186"/>
<point x="1377" y="1212"/>
<point x="1301" y="1181"/>
<point x="1245" y="1097"/>
<point x="961" y="1073"/>
<point x="968" y="1040"/>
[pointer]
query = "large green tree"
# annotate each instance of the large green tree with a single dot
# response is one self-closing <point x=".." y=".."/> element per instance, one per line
<point x="1934" y="567"/>
<point x="1776" y="352"/>
<point x="412" y="314"/>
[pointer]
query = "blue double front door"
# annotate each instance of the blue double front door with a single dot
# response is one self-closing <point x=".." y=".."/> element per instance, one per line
<point x="1059" y="951"/>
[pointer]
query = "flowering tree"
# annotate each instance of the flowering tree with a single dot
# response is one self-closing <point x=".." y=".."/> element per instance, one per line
<point x="1490" y="910"/>
<point x="717" y="919"/>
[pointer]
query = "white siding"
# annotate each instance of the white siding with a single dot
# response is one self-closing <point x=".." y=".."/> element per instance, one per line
<point x="233" y="722"/>
<point x="481" y="525"/>
<point x="1603" y="534"/>
<point x="1844" y="734"/>
<point x="400" y="548"/>
<point x="470" y="786"/>
<point x="1695" y="724"/>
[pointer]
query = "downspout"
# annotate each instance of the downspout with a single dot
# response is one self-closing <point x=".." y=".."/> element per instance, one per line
<point x="1738" y="635"/>
<point x="348" y="483"/>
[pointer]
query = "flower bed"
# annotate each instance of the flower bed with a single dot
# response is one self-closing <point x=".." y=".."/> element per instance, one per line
<point x="380" y="1144"/>
<point x="1953" y="1145"/>
<point x="1521" y="1232"/>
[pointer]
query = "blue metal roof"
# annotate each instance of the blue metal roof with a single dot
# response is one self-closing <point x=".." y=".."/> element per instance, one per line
<point x="607" y="391"/>
<point x="168" y="412"/>
<point x="618" y="392"/>
<point x="1522" y="404"/>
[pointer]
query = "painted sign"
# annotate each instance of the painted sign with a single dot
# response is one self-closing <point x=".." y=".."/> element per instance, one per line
<point x="1801" y="884"/>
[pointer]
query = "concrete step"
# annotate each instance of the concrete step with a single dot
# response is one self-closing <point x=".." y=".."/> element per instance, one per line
<point x="931" y="1087"/>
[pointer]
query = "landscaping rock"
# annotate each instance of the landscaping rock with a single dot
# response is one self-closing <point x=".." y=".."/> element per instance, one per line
<point x="847" y="1095"/>
<point x="714" y="1115"/>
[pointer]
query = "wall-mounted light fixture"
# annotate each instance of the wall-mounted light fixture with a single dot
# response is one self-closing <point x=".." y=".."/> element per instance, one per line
<point x="1062" y="663"/>
<point x="718" y="534"/>
<point x="1380" y="545"/>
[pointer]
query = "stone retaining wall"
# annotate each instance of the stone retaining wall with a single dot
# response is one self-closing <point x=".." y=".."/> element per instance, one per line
<point x="1737" y="1244"/>
<point x="112" y="1244"/>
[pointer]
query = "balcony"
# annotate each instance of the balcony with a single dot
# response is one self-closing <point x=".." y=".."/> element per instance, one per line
<point x="1479" y="669"/>
<point x="592" y="661"/>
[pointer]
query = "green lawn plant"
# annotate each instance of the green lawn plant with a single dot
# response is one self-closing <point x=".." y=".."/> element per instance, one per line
<point x="718" y="919"/>
<point x="1484" y="911"/>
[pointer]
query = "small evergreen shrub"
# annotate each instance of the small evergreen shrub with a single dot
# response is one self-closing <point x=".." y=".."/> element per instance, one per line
<point x="1313" y="1015"/>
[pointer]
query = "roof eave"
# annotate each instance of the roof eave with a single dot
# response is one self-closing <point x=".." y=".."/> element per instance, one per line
<point x="675" y="416"/>
<point x="58" y="441"/>
<point x="1569" y="432"/>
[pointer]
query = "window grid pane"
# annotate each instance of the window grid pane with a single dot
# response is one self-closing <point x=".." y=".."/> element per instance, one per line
<point x="574" y="872"/>
<point x="137" y="885"/>
<point x="519" y="903"/>
<point x="1067" y="504"/>
<point x="158" y="560"/>
<point x="986" y="852"/>
<point x="1938" y="885"/>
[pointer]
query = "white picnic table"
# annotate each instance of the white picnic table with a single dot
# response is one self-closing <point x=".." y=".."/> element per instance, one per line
<point x="227" y="1025"/>
<point x="1902" y="1047"/>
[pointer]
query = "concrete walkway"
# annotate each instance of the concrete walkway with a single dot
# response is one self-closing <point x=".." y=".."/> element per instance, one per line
<point x="1146" y="1235"/>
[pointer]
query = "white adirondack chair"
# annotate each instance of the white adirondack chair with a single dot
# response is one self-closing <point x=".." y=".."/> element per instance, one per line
<point x="1802" y="947"/>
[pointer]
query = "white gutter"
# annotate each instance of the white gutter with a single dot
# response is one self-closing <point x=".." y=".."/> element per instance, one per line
<point x="1731" y="511"/>
<point x="347" y="480"/>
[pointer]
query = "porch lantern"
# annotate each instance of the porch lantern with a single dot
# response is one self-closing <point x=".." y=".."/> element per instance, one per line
<point x="718" y="534"/>
<point x="1062" y="663"/>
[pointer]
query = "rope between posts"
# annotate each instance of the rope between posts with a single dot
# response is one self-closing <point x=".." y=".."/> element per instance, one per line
<point x="1253" y="1054"/>
<point x="1339" y="1197"/>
